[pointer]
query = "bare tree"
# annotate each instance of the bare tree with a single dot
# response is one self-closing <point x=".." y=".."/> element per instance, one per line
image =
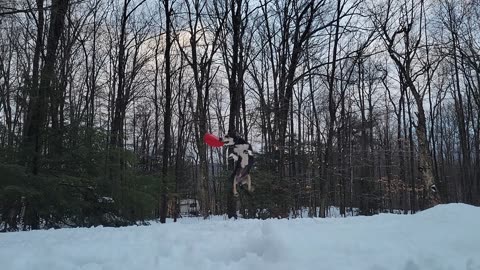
<point x="39" y="100"/>
<point x="403" y="42"/>
<point x="204" y="43"/>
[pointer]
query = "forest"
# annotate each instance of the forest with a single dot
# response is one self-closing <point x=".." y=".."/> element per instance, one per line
<point x="368" y="106"/>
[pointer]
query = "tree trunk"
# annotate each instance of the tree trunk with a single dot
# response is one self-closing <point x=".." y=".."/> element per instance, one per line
<point x="32" y="125"/>
<point x="45" y="88"/>
<point x="332" y="110"/>
<point x="168" y="113"/>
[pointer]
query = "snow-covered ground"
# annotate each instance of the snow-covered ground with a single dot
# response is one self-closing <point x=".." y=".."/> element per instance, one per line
<point x="445" y="237"/>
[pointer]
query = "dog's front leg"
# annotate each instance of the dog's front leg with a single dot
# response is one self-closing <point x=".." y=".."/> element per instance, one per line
<point x="233" y="156"/>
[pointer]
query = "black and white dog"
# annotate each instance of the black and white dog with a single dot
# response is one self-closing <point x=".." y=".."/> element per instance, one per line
<point x="243" y="156"/>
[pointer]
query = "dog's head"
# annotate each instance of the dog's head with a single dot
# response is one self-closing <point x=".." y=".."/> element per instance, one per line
<point x="230" y="138"/>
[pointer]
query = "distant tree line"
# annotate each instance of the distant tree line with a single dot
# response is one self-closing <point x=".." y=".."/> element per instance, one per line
<point x="368" y="106"/>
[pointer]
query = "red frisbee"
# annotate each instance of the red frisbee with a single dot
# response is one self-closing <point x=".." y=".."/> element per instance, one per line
<point x="212" y="140"/>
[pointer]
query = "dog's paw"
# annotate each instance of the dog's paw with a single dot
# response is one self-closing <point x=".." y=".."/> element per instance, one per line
<point x="236" y="194"/>
<point x="233" y="156"/>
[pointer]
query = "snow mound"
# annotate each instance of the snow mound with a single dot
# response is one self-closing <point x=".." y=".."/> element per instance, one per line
<point x="444" y="237"/>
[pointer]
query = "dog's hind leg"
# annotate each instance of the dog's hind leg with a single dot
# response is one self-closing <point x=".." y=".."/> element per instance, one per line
<point x="249" y="183"/>
<point x="235" y="193"/>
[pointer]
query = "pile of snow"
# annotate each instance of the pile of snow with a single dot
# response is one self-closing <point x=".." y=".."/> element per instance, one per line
<point x="444" y="237"/>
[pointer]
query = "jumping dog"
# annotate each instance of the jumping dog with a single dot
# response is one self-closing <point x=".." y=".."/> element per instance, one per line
<point x="243" y="156"/>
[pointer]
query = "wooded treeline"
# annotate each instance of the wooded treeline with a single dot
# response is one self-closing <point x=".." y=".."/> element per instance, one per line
<point x="369" y="106"/>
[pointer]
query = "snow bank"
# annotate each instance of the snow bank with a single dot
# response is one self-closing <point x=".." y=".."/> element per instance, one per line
<point x="445" y="237"/>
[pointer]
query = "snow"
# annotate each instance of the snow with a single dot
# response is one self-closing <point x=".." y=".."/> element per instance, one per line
<point x="444" y="237"/>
